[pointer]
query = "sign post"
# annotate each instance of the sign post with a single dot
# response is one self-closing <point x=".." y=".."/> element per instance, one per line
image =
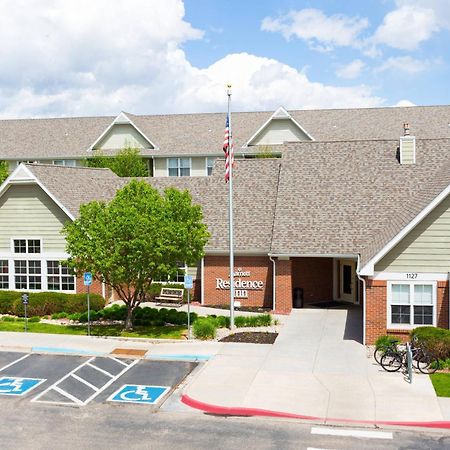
<point x="188" y="284"/>
<point x="87" y="282"/>
<point x="25" y="300"/>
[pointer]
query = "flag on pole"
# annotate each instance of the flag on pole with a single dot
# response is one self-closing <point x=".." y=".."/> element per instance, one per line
<point x="228" y="149"/>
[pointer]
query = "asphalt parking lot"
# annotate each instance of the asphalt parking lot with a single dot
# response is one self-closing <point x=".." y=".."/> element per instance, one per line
<point x="82" y="380"/>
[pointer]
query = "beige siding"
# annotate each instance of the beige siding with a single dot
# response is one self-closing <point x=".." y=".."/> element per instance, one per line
<point x="121" y="136"/>
<point x="426" y="248"/>
<point x="160" y="167"/>
<point x="27" y="211"/>
<point x="279" y="131"/>
<point x="198" y="167"/>
<point x="407" y="150"/>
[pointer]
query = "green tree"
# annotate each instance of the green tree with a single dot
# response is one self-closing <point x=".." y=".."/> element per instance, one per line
<point x="126" y="163"/>
<point x="139" y="236"/>
<point x="4" y="171"/>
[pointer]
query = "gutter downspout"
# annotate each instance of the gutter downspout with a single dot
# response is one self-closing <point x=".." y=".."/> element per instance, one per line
<point x="202" y="281"/>
<point x="274" y="291"/>
<point x="364" y="297"/>
<point x="448" y="281"/>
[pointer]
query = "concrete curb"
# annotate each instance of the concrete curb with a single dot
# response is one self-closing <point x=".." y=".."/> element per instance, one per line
<point x="240" y="411"/>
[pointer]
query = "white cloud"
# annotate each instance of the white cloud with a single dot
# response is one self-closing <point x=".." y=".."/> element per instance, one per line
<point x="405" y="64"/>
<point x="440" y="7"/>
<point x="77" y="58"/>
<point x="320" y="31"/>
<point x="406" y="27"/>
<point x="404" y="103"/>
<point x="351" y="70"/>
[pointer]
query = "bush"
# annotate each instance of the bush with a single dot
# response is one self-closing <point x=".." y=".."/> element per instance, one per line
<point x="261" y="320"/>
<point x="205" y="328"/>
<point x="61" y="315"/>
<point x="385" y="341"/>
<point x="34" y="319"/>
<point x="75" y="316"/>
<point x="115" y="312"/>
<point x="47" y="303"/>
<point x="222" y="321"/>
<point x="435" y="340"/>
<point x="8" y="319"/>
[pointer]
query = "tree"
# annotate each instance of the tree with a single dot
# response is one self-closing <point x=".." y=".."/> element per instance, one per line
<point x="139" y="236"/>
<point x="126" y="163"/>
<point x="4" y="171"/>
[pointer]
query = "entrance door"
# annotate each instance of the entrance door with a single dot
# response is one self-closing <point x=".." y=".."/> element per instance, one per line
<point x="347" y="281"/>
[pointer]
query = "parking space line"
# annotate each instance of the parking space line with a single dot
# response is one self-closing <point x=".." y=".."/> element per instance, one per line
<point x="352" y="433"/>
<point x="72" y="374"/>
<point x="119" y="361"/>
<point x="66" y="394"/>
<point x="15" y="362"/>
<point x="100" y="370"/>
<point x="82" y="380"/>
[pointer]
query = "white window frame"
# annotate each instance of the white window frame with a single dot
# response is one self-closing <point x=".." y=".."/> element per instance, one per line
<point x="213" y="158"/>
<point x="411" y="284"/>
<point x="27" y="274"/>
<point x="65" y="162"/>
<point x="179" y="167"/>
<point x="26" y="238"/>
<point x="60" y="276"/>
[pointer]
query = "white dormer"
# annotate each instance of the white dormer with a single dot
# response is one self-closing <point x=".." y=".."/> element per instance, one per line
<point x="280" y="128"/>
<point x="407" y="147"/>
<point x="122" y="133"/>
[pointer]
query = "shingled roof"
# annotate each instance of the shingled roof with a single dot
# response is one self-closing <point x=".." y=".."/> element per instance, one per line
<point x="353" y="197"/>
<point x="202" y="134"/>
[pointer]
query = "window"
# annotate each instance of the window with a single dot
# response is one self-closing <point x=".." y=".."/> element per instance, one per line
<point x="65" y="162"/>
<point x="59" y="277"/>
<point x="209" y="165"/>
<point x="411" y="304"/>
<point x="27" y="274"/>
<point x="4" y="277"/>
<point x="179" y="167"/>
<point x="27" y="246"/>
<point x="178" y="278"/>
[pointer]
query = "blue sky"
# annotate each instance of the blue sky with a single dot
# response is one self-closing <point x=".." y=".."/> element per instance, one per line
<point x="64" y="58"/>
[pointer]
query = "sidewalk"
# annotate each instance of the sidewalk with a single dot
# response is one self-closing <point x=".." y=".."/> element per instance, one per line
<point x="315" y="368"/>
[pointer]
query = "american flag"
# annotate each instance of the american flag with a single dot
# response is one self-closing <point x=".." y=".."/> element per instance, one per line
<point x="228" y="149"/>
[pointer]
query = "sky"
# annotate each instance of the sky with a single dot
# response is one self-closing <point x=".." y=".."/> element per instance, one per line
<point x="100" y="57"/>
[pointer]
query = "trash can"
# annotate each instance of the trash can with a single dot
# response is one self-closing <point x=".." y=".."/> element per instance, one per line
<point x="297" y="298"/>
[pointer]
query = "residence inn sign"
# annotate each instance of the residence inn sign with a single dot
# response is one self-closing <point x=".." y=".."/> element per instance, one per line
<point x="241" y="286"/>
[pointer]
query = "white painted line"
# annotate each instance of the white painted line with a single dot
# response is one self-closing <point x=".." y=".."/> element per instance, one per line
<point x="15" y="362"/>
<point x="66" y="394"/>
<point x="111" y="381"/>
<point x="100" y="370"/>
<point x="315" y="448"/>
<point x="118" y="361"/>
<point x="351" y="433"/>
<point x="82" y="380"/>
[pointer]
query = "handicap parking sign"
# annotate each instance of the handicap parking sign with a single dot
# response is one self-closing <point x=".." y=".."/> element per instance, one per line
<point x="136" y="393"/>
<point x="18" y="386"/>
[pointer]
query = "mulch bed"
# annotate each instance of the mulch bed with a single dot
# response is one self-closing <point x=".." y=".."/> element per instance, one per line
<point x="251" y="337"/>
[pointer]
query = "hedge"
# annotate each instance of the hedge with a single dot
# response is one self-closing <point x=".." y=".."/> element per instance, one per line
<point x="47" y="303"/>
<point x="436" y="340"/>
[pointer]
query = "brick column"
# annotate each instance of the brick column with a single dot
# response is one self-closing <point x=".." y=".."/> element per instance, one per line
<point x="442" y="304"/>
<point x="283" y="286"/>
<point x="376" y="320"/>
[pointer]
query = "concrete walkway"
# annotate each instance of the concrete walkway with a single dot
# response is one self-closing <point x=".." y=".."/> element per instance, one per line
<point x="317" y="367"/>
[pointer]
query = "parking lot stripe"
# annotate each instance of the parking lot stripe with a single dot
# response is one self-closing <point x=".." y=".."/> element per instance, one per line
<point x="100" y="370"/>
<point x="353" y="433"/>
<point x="66" y="394"/>
<point x="119" y="361"/>
<point x="82" y="380"/>
<point x="15" y="362"/>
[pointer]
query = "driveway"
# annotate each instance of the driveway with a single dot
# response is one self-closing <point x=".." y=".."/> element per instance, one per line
<point x="317" y="367"/>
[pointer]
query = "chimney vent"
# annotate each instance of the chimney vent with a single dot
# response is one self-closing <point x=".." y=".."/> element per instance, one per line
<point x="407" y="146"/>
<point x="406" y="128"/>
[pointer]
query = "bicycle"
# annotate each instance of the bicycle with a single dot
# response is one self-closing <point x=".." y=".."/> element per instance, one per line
<point x="394" y="360"/>
<point x="385" y="347"/>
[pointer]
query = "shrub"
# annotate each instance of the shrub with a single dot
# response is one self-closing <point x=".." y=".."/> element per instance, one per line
<point x="61" y="315"/>
<point x="204" y="328"/>
<point x="261" y="320"/>
<point x="47" y="303"/>
<point x="222" y="322"/>
<point x="436" y="340"/>
<point x="385" y="342"/>
<point x="74" y="316"/>
<point x="34" y="319"/>
<point x="115" y="312"/>
<point x="8" y="319"/>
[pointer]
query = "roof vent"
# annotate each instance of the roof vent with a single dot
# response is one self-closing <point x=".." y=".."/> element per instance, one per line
<point x="407" y="146"/>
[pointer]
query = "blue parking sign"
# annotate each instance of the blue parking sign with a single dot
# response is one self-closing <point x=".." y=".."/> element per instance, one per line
<point x="137" y="393"/>
<point x="18" y="386"/>
<point x="188" y="282"/>
<point x="87" y="278"/>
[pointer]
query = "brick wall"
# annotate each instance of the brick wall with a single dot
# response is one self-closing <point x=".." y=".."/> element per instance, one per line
<point x="96" y="287"/>
<point x="260" y="268"/>
<point x="283" y="286"/>
<point x="376" y="310"/>
<point x="315" y="277"/>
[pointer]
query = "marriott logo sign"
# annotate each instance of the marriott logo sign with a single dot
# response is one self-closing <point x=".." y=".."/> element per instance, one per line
<point x="241" y="286"/>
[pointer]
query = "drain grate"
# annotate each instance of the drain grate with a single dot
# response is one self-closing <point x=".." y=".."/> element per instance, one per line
<point x="129" y="352"/>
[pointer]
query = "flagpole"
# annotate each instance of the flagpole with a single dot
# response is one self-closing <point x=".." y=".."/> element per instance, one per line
<point x="230" y="211"/>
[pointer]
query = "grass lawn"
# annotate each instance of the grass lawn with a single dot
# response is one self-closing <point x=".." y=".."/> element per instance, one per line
<point x="169" y="332"/>
<point x="441" y="383"/>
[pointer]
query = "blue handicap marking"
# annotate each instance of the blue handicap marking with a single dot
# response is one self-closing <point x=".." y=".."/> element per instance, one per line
<point x="17" y="385"/>
<point x="136" y="393"/>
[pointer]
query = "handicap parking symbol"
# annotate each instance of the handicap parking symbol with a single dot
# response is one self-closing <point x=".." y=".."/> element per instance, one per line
<point x="18" y="386"/>
<point x="136" y="393"/>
